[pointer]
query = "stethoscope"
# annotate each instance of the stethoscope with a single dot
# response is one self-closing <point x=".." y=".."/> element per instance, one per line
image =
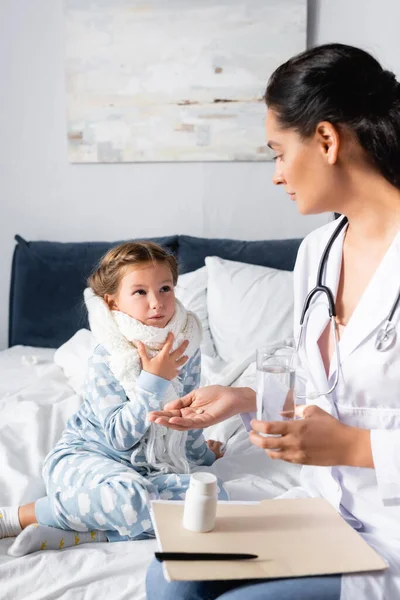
<point x="386" y="335"/>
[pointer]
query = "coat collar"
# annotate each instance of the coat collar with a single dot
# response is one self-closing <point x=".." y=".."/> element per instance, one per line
<point x="371" y="311"/>
<point x="375" y="303"/>
<point x="318" y="315"/>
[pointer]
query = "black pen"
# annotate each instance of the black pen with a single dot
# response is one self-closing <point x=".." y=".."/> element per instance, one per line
<point x="161" y="556"/>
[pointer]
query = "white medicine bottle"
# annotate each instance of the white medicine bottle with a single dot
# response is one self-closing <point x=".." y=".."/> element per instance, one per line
<point x="200" y="503"/>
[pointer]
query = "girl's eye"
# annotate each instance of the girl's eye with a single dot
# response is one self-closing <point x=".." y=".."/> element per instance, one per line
<point x="275" y="158"/>
<point x="166" y="288"/>
<point x="139" y="292"/>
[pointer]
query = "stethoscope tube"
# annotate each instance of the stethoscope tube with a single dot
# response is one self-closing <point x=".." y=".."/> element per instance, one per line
<point x="386" y="335"/>
<point x="315" y="395"/>
<point x="320" y="287"/>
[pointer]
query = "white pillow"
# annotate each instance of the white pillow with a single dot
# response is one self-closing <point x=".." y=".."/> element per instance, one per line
<point x="191" y="290"/>
<point x="73" y="358"/>
<point x="248" y="307"/>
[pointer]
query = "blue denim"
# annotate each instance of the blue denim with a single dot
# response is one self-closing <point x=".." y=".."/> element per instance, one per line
<point x="299" y="588"/>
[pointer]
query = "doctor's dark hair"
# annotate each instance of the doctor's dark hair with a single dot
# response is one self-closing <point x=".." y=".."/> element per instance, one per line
<point x="344" y="86"/>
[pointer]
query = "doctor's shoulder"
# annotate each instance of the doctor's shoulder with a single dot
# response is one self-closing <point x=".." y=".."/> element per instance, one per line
<point x="313" y="245"/>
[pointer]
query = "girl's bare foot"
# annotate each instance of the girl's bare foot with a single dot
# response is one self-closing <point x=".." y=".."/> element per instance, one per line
<point x="216" y="447"/>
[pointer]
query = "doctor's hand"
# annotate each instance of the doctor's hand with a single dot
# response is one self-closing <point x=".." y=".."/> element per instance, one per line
<point x="315" y="439"/>
<point x="204" y="407"/>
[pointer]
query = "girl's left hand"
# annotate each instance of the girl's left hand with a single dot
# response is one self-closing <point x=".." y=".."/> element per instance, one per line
<point x="315" y="439"/>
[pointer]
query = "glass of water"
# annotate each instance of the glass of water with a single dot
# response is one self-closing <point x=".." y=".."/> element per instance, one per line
<point x="275" y="382"/>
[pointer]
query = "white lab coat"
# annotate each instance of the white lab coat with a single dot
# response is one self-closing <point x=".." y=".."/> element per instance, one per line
<point x="367" y="396"/>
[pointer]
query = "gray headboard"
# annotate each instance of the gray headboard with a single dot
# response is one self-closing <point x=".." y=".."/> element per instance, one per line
<point x="48" y="279"/>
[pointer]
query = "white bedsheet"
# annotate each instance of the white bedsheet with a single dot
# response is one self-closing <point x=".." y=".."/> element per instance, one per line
<point x="35" y="402"/>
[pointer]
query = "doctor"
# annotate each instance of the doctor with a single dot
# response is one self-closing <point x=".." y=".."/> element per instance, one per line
<point x="334" y="124"/>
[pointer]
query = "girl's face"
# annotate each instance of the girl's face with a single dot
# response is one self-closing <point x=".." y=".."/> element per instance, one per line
<point x="146" y="293"/>
<point x="304" y="166"/>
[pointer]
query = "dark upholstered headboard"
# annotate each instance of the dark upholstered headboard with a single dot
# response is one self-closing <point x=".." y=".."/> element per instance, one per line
<point x="48" y="279"/>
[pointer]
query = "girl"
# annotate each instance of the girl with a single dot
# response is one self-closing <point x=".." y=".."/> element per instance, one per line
<point x="110" y="462"/>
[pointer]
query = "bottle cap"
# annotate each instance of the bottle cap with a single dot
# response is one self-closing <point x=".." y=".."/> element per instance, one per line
<point x="204" y="483"/>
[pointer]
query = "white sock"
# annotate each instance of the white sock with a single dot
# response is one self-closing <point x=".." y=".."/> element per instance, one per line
<point x="41" y="537"/>
<point x="9" y="522"/>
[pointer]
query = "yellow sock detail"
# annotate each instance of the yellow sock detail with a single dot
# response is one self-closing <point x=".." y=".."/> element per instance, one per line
<point x="33" y="539"/>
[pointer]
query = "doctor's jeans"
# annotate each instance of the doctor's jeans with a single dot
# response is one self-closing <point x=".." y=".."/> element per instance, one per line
<point x="300" y="588"/>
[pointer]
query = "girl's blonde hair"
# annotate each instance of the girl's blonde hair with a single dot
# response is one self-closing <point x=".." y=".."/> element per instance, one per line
<point x="106" y="278"/>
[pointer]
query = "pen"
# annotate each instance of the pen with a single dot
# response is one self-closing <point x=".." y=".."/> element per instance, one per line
<point x="161" y="556"/>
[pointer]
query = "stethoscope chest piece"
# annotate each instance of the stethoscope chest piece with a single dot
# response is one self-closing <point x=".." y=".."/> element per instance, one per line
<point x="386" y="337"/>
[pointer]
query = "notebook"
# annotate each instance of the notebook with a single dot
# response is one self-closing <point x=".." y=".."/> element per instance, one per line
<point x="292" y="538"/>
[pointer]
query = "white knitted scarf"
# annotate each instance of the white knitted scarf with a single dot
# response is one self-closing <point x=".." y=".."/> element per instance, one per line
<point x="163" y="448"/>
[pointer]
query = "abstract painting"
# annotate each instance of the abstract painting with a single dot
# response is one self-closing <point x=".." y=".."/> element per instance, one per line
<point x="174" y="80"/>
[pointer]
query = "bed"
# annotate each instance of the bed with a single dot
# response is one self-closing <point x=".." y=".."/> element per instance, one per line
<point x="232" y="285"/>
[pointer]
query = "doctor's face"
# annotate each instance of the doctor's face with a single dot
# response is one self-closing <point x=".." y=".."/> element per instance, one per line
<point x="303" y="166"/>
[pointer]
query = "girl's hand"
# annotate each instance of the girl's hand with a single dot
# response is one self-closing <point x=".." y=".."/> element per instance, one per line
<point x="316" y="439"/>
<point x="166" y="363"/>
<point x="204" y="407"/>
<point x="216" y="447"/>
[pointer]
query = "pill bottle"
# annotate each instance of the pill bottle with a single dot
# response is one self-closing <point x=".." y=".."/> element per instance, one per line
<point x="200" y="503"/>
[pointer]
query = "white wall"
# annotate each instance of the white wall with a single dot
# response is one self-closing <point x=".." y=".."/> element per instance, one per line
<point x="44" y="197"/>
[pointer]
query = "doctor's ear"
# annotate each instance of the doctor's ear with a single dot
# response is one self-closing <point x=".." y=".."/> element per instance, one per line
<point x="328" y="138"/>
